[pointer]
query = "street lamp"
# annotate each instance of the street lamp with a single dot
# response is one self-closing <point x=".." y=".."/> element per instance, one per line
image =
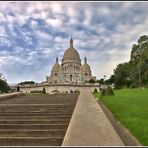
<point x="138" y="55"/>
<point x="105" y="80"/>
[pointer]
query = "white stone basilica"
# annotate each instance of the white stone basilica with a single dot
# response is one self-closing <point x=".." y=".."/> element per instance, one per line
<point x="71" y="71"/>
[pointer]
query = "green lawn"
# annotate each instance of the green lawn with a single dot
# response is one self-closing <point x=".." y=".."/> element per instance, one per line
<point x="130" y="107"/>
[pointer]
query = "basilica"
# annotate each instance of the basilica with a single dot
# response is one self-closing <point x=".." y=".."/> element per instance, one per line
<point x="70" y="71"/>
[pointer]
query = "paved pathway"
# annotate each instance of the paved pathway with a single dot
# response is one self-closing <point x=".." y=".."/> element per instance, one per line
<point x="89" y="125"/>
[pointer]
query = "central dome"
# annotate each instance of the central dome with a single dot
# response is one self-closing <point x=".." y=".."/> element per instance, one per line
<point x="71" y="54"/>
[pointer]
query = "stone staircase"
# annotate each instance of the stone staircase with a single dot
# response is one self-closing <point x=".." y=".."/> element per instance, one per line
<point x="39" y="120"/>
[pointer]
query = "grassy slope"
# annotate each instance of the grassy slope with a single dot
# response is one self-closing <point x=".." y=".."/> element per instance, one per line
<point x="130" y="106"/>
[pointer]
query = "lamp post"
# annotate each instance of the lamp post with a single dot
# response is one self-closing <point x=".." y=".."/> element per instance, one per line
<point x="105" y="80"/>
<point x="138" y="55"/>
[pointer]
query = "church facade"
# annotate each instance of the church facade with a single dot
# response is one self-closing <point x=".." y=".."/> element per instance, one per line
<point x="70" y="71"/>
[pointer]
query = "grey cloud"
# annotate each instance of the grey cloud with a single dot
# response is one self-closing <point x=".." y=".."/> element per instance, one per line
<point x="103" y="31"/>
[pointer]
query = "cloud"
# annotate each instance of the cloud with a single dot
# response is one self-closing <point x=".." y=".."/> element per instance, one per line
<point x="32" y="34"/>
<point x="2" y="31"/>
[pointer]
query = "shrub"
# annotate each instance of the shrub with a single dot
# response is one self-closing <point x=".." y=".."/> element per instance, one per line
<point x="44" y="90"/>
<point x="102" y="92"/>
<point x="91" y="81"/>
<point x="95" y="90"/>
<point x="71" y="91"/>
<point x="4" y="86"/>
<point x="109" y="91"/>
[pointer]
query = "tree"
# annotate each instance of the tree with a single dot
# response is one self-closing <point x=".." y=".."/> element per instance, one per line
<point x="95" y="90"/>
<point x="18" y="88"/>
<point x="27" y="82"/>
<point x="122" y="75"/>
<point x="111" y="80"/>
<point x="139" y="58"/>
<point x="91" y="81"/>
<point x="101" y="81"/>
<point x="97" y="81"/>
<point x="134" y="73"/>
<point x="140" y="51"/>
<point x="4" y="86"/>
<point x="44" y="90"/>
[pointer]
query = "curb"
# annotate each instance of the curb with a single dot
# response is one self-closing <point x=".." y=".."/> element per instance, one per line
<point x="11" y="95"/>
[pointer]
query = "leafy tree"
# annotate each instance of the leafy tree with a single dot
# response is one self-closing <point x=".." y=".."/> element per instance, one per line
<point x="128" y="74"/>
<point x="143" y="39"/>
<point x="101" y="81"/>
<point x="91" y="81"/>
<point x="26" y="82"/>
<point x="95" y="90"/>
<point x="140" y="50"/>
<point x="4" y="86"/>
<point x="97" y="81"/>
<point x="122" y="75"/>
<point x="110" y="80"/>
<point x="44" y="90"/>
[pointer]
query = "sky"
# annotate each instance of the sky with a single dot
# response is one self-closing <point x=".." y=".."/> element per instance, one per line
<point x="32" y="34"/>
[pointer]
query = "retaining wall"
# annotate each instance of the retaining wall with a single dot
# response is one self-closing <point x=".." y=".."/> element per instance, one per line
<point x="10" y="95"/>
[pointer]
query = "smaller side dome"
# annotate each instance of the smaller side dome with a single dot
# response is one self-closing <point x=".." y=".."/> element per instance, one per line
<point x="56" y="66"/>
<point x="85" y="66"/>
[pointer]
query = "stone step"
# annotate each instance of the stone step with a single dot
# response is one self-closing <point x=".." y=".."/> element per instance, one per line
<point x="65" y="121"/>
<point x="23" y="108"/>
<point x="40" y="111"/>
<point x="32" y="133"/>
<point x="31" y="141"/>
<point x="38" y="102"/>
<point x="35" y="117"/>
<point x="34" y="114"/>
<point x="47" y="106"/>
<point x="43" y="98"/>
<point x="33" y="126"/>
<point x="36" y="110"/>
<point x="38" y="105"/>
<point x="24" y="101"/>
<point x="35" y="120"/>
